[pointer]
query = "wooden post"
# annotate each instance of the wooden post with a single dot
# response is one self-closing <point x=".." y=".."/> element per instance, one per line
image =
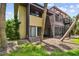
<point x="15" y="9"/>
<point x="27" y="20"/>
<point x="70" y="28"/>
<point x="44" y="20"/>
<point x="3" y="43"/>
<point x="54" y="25"/>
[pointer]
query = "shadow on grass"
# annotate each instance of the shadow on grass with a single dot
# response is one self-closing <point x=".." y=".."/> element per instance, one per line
<point x="70" y="43"/>
<point x="51" y="47"/>
<point x="65" y="46"/>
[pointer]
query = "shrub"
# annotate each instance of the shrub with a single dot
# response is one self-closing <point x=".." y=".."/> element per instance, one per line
<point x="12" y="29"/>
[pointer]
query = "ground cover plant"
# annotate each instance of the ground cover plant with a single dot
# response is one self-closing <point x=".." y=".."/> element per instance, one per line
<point x="38" y="50"/>
<point x="29" y="50"/>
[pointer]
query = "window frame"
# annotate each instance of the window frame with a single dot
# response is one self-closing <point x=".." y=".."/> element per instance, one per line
<point x="32" y="29"/>
<point x="36" y="31"/>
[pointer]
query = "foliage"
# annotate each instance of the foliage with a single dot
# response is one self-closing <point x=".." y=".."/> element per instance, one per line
<point x="74" y="52"/>
<point x="12" y="29"/>
<point x="38" y="50"/>
<point x="75" y="30"/>
<point x="76" y="40"/>
<point x="29" y="50"/>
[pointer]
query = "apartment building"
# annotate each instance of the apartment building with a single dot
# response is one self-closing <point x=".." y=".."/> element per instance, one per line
<point x="58" y="24"/>
<point x="30" y="16"/>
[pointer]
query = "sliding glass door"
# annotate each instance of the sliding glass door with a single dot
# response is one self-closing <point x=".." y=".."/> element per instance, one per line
<point x="35" y="31"/>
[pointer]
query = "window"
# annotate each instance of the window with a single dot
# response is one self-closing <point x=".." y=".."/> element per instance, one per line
<point x="36" y="13"/>
<point x="38" y="31"/>
<point x="35" y="31"/>
<point x="60" y="18"/>
<point x="58" y="31"/>
<point x="32" y="31"/>
<point x="57" y="17"/>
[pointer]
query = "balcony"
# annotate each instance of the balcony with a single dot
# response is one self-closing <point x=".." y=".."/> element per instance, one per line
<point x="35" y="21"/>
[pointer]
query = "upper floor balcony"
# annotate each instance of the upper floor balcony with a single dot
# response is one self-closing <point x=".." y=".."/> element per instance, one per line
<point x="35" y="21"/>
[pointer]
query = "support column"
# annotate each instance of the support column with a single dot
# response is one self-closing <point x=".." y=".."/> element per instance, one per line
<point x="54" y="26"/>
<point x="44" y="20"/>
<point x="15" y="9"/>
<point x="27" y="20"/>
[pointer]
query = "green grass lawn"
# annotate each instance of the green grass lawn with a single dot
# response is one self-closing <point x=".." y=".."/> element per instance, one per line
<point x="76" y="40"/>
<point x="66" y="53"/>
<point x="38" y="50"/>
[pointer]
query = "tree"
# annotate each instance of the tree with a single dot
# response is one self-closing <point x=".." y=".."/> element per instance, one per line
<point x="2" y="27"/>
<point x="77" y="28"/>
<point x="70" y="28"/>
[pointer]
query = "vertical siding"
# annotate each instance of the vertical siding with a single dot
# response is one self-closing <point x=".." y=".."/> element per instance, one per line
<point x="22" y="19"/>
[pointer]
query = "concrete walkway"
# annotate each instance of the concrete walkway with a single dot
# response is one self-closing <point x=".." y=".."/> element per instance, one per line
<point x="53" y="44"/>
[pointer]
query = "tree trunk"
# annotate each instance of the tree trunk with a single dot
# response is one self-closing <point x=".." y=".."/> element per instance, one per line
<point x="70" y="28"/>
<point x="44" y="20"/>
<point x="2" y="27"/>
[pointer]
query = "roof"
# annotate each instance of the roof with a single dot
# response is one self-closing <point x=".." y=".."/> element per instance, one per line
<point x="48" y="10"/>
<point x="59" y="10"/>
<point x="51" y="8"/>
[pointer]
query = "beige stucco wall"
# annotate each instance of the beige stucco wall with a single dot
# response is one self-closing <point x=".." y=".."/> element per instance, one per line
<point x="22" y="19"/>
<point x="35" y="21"/>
